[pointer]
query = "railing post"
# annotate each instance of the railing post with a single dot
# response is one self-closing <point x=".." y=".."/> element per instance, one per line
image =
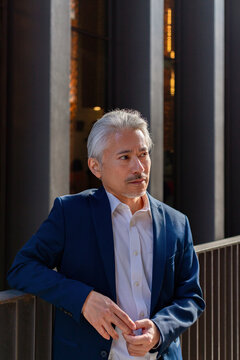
<point x="25" y="327"/>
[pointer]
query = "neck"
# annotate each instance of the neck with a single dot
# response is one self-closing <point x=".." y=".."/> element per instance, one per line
<point x="134" y="203"/>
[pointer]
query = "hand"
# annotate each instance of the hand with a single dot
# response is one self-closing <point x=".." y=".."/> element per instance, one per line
<point x="101" y="312"/>
<point x="139" y="345"/>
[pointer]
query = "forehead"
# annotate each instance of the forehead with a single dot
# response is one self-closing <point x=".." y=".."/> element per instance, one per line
<point x="126" y="139"/>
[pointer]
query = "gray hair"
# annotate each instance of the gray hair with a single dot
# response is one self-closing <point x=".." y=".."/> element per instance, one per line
<point x="110" y="123"/>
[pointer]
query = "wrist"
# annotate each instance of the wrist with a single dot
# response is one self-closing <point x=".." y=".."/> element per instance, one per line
<point x="157" y="336"/>
<point x="86" y="301"/>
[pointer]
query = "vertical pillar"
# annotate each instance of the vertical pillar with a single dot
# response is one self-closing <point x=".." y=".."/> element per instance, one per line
<point x="137" y="70"/>
<point x="3" y="124"/>
<point x="60" y="35"/>
<point x="219" y="120"/>
<point x="37" y="115"/>
<point x="157" y="95"/>
<point x="200" y="95"/>
<point x="232" y="117"/>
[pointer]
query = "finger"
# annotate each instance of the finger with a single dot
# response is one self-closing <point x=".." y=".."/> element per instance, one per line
<point x="144" y="323"/>
<point x="110" y="330"/>
<point x="136" y="350"/>
<point x="121" y="325"/>
<point x="103" y="332"/>
<point x="137" y="339"/>
<point x="124" y="317"/>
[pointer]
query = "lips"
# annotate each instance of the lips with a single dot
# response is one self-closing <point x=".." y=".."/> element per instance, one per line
<point x="137" y="181"/>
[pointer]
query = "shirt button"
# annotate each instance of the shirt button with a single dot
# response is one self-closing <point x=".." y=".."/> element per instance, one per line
<point x="142" y="314"/>
<point x="135" y="253"/>
<point x="136" y="283"/>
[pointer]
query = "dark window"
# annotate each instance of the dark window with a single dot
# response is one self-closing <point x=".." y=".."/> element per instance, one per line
<point x="88" y="83"/>
<point x="169" y="103"/>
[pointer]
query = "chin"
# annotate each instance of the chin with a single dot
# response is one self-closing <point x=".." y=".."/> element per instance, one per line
<point x="134" y="195"/>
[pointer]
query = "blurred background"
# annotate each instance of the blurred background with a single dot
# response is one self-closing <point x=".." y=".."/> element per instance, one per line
<point x="65" y="63"/>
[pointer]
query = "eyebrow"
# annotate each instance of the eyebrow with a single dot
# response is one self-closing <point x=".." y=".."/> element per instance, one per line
<point x="129" y="151"/>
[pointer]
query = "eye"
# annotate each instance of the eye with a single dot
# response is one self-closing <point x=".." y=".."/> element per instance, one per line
<point x="145" y="153"/>
<point x="124" y="157"/>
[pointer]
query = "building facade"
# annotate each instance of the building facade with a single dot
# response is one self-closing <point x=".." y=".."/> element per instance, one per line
<point x="64" y="63"/>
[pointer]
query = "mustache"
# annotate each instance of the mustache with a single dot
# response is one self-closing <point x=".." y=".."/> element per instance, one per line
<point x="136" y="177"/>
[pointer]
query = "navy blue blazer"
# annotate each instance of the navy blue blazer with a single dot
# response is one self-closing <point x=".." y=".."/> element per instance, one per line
<point x="77" y="239"/>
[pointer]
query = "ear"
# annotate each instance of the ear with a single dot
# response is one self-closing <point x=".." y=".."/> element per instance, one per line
<point x="95" y="167"/>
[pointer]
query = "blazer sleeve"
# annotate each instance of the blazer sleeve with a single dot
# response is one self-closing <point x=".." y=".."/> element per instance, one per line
<point x="32" y="270"/>
<point x="187" y="303"/>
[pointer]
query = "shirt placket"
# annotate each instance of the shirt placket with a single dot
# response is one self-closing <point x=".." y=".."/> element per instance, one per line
<point x="136" y="269"/>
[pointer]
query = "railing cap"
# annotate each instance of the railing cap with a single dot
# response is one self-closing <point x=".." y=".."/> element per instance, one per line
<point x="12" y="295"/>
<point x="215" y="245"/>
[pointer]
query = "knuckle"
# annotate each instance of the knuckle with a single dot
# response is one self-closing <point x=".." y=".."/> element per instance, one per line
<point x="97" y="323"/>
<point x="107" y="313"/>
<point x="111" y="306"/>
<point x="148" y="340"/>
<point x="148" y="322"/>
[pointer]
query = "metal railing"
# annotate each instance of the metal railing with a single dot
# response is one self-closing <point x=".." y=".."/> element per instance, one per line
<point x="26" y="321"/>
<point x="215" y="336"/>
<point x="25" y="327"/>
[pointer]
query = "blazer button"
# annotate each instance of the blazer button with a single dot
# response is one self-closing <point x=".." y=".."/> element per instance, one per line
<point x="104" y="354"/>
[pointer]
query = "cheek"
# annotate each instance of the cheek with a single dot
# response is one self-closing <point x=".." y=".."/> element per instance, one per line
<point x="147" y="165"/>
<point x="114" y="174"/>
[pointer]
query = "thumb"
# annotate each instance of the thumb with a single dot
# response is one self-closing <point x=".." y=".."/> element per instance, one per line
<point x="140" y="324"/>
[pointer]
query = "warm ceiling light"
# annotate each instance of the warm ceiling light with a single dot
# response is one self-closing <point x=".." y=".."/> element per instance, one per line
<point x="169" y="16"/>
<point x="169" y="30"/>
<point x="97" y="108"/>
<point x="172" y="84"/>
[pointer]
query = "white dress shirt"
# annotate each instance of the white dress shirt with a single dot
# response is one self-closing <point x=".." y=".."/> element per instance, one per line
<point x="133" y="248"/>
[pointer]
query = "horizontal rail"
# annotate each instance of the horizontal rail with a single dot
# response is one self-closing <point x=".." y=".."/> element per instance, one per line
<point x="219" y="244"/>
<point x="12" y="295"/>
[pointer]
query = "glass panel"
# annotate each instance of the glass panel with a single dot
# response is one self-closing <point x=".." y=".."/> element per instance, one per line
<point x="88" y="88"/>
<point x="169" y="103"/>
<point x="90" y="16"/>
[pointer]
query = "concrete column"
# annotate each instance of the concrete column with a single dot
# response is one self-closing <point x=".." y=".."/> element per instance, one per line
<point x="137" y="70"/>
<point x="219" y="119"/>
<point x="157" y="96"/>
<point x="232" y="8"/>
<point x="59" y="95"/>
<point x="200" y="119"/>
<point x="3" y="125"/>
<point x="37" y="115"/>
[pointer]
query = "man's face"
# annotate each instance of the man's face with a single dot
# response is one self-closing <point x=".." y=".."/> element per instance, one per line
<point x="125" y="166"/>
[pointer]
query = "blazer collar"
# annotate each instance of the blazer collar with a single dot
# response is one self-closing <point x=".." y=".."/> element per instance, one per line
<point x="159" y="250"/>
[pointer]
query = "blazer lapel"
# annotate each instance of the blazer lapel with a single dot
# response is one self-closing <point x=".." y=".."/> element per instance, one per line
<point x="159" y="250"/>
<point x="101" y="213"/>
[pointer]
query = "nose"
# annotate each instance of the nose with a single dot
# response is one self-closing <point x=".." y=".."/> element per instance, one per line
<point x="137" y="166"/>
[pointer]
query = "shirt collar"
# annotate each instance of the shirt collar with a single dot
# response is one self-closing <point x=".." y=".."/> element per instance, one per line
<point x="115" y="203"/>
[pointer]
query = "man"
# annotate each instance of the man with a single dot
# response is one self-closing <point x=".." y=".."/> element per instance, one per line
<point x="127" y="281"/>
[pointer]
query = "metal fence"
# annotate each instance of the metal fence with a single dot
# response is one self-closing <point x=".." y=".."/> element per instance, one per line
<point x="25" y="327"/>
<point x="215" y="336"/>
<point x="26" y="321"/>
